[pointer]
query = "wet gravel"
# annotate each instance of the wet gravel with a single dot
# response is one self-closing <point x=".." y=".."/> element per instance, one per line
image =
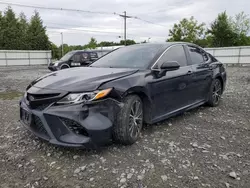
<point x="205" y="147"/>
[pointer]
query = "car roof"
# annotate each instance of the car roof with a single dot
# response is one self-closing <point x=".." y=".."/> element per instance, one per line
<point x="164" y="44"/>
<point x="90" y="50"/>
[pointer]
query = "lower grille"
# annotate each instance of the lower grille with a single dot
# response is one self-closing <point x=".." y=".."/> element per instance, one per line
<point x="74" y="126"/>
<point x="41" y="107"/>
<point x="37" y="125"/>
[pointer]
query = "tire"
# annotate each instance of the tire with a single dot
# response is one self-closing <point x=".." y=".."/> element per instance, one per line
<point x="64" y="67"/>
<point x="215" y="93"/>
<point x="128" y="121"/>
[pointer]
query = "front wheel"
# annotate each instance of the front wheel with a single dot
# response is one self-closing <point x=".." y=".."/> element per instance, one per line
<point x="215" y="93"/>
<point x="64" y="67"/>
<point x="128" y="122"/>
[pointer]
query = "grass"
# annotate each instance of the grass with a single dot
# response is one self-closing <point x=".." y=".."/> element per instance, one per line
<point x="9" y="95"/>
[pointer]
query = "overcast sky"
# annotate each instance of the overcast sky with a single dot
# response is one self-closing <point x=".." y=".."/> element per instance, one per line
<point x="162" y="12"/>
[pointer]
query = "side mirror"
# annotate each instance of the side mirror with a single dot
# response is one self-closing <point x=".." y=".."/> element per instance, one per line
<point x="170" y="66"/>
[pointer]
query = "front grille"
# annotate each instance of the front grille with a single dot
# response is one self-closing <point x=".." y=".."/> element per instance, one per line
<point x="38" y="127"/>
<point x="41" y="101"/>
<point x="33" y="97"/>
<point x="74" y="126"/>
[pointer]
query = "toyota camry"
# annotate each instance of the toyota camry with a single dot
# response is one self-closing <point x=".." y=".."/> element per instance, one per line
<point x="113" y="97"/>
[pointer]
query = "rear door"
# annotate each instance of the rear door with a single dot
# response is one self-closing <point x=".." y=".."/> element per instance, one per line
<point x="76" y="60"/>
<point x="202" y="77"/>
<point x="84" y="58"/>
<point x="171" y="91"/>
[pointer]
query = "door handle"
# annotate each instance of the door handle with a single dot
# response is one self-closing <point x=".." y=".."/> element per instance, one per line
<point x="189" y="72"/>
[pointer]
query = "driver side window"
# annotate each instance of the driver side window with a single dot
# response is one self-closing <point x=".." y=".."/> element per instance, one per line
<point x="174" y="53"/>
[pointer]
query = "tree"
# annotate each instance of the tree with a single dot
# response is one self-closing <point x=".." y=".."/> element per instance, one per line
<point x="222" y="31"/>
<point x="107" y="43"/>
<point x="187" y="30"/>
<point x="1" y="31"/>
<point x="241" y="23"/>
<point x="92" y="44"/>
<point x="10" y="31"/>
<point x="241" y="26"/>
<point x="128" y="42"/>
<point x="36" y="34"/>
<point x="24" y="28"/>
<point x="55" y="51"/>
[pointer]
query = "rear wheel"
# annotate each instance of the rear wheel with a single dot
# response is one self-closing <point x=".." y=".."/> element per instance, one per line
<point x="129" y="121"/>
<point x="215" y="93"/>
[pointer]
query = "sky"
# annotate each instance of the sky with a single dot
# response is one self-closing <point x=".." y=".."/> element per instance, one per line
<point x="76" y="26"/>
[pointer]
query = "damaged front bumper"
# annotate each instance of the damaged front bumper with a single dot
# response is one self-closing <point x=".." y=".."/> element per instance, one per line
<point x="53" y="68"/>
<point x="79" y="125"/>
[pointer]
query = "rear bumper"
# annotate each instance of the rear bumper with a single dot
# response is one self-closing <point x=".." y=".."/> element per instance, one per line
<point x="82" y="125"/>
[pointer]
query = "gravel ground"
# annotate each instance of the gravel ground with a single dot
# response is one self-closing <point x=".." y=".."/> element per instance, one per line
<point x="205" y="147"/>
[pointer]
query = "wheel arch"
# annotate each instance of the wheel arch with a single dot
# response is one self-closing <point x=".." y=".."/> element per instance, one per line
<point x="147" y="103"/>
<point x="64" y="64"/>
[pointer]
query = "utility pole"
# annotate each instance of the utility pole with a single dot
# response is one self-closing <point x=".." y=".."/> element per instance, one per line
<point x="125" y="25"/>
<point x="62" y="42"/>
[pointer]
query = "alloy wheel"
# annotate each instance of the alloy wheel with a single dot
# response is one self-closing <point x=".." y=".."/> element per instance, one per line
<point x="217" y="91"/>
<point x="135" y="119"/>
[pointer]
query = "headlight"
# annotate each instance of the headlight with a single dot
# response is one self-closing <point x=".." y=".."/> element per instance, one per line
<point x="55" y="64"/>
<point x="75" y="98"/>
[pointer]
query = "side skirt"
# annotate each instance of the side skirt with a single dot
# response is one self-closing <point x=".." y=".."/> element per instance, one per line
<point x="176" y="112"/>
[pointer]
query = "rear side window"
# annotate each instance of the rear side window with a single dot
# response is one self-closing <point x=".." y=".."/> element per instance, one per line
<point x="93" y="55"/>
<point x="175" y="53"/>
<point x="84" y="56"/>
<point x="197" y="55"/>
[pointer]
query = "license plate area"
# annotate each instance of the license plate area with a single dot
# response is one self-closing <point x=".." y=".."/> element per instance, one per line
<point x="26" y="117"/>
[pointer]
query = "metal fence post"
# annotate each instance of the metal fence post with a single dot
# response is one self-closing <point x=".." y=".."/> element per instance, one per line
<point x="6" y="59"/>
<point x="239" y="56"/>
<point x="47" y="55"/>
<point x="29" y="57"/>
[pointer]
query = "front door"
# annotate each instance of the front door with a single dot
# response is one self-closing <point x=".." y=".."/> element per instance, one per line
<point x="171" y="91"/>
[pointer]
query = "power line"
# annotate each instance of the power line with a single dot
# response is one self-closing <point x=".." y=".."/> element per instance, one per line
<point x="149" y="22"/>
<point x="83" y="11"/>
<point x="85" y="30"/>
<point x="76" y="26"/>
<point x="76" y="10"/>
<point x="73" y="31"/>
<point x="53" y="8"/>
<point x="137" y="18"/>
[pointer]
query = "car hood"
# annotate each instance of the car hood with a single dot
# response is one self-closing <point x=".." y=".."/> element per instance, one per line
<point x="80" y="79"/>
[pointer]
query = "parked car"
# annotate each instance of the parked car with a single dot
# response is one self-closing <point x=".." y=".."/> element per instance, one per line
<point x="112" y="98"/>
<point x="79" y="58"/>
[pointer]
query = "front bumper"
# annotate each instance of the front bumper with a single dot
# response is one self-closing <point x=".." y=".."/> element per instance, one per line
<point x="53" y="68"/>
<point x="81" y="125"/>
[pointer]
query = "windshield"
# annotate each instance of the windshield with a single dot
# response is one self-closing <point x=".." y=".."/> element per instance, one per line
<point x="136" y="56"/>
<point x="67" y="56"/>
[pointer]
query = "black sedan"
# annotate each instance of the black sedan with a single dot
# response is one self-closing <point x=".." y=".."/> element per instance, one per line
<point x="112" y="98"/>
